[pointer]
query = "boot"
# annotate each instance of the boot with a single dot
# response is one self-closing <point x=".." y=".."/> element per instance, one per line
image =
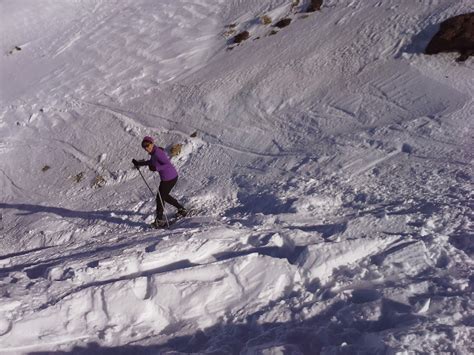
<point x="159" y="223"/>
<point x="182" y="212"/>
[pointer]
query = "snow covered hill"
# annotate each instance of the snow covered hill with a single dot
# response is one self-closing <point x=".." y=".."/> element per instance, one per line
<point x="329" y="162"/>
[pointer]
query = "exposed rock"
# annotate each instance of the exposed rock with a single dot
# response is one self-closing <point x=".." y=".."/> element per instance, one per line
<point x="15" y="49"/>
<point x="176" y="150"/>
<point x="266" y="20"/>
<point x="242" y="36"/>
<point x="315" y="5"/>
<point x="407" y="148"/>
<point x="456" y="34"/>
<point x="294" y="3"/>
<point x="229" y="33"/>
<point x="99" y="181"/>
<point x="78" y="178"/>
<point x="283" y="23"/>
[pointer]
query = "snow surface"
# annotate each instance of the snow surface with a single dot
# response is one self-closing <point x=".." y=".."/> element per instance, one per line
<point x="331" y="172"/>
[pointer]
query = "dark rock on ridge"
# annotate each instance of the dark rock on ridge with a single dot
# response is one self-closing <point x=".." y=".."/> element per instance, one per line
<point x="456" y="34"/>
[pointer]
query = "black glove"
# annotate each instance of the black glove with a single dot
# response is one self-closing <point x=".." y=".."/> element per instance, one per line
<point x="135" y="163"/>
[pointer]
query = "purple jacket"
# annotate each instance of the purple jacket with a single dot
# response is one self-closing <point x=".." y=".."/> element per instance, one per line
<point x="160" y="162"/>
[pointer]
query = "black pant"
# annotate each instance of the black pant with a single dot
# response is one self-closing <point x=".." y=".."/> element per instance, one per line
<point x="164" y="190"/>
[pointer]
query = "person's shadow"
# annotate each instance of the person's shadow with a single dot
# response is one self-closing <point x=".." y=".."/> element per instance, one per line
<point x="39" y="268"/>
<point x="117" y="217"/>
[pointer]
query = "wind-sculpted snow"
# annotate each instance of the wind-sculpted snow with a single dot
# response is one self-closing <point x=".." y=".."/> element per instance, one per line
<point x="319" y="261"/>
<point x="136" y="306"/>
<point x="327" y="164"/>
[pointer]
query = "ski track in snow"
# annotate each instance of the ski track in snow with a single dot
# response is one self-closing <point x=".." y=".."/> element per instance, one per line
<point x="331" y="172"/>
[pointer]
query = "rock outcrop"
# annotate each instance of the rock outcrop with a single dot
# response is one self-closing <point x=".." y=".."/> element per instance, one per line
<point x="456" y="34"/>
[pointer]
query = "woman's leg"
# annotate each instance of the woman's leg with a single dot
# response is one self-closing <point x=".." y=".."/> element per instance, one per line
<point x="164" y="191"/>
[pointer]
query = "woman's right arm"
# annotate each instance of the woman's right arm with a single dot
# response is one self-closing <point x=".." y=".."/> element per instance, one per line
<point x="140" y="162"/>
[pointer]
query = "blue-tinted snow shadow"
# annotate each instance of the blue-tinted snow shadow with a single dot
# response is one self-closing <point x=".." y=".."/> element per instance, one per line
<point x="326" y="230"/>
<point x="264" y="203"/>
<point x="273" y="251"/>
<point x="463" y="239"/>
<point x="310" y="336"/>
<point x="28" y="209"/>
<point x="395" y="208"/>
<point x="418" y="42"/>
<point x="40" y="268"/>
<point x="24" y="252"/>
<point x="177" y="265"/>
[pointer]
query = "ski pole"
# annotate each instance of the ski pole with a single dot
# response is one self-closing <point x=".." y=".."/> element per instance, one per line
<point x="159" y="195"/>
<point x="149" y="188"/>
<point x="163" y="205"/>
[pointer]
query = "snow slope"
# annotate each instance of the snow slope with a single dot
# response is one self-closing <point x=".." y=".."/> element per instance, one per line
<point x="331" y="171"/>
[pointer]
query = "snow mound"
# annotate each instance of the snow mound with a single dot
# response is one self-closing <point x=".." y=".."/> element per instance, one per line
<point x="319" y="261"/>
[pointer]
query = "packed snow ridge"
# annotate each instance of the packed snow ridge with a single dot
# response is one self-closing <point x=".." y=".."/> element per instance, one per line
<point x="328" y="162"/>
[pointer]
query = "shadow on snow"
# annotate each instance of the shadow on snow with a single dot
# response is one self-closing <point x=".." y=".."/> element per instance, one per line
<point x="308" y="336"/>
<point x="67" y="213"/>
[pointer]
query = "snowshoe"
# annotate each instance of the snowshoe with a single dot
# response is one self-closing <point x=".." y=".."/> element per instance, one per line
<point x="159" y="223"/>
<point x="182" y="212"/>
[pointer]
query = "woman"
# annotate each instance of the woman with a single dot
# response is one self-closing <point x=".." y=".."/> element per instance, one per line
<point x="160" y="162"/>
